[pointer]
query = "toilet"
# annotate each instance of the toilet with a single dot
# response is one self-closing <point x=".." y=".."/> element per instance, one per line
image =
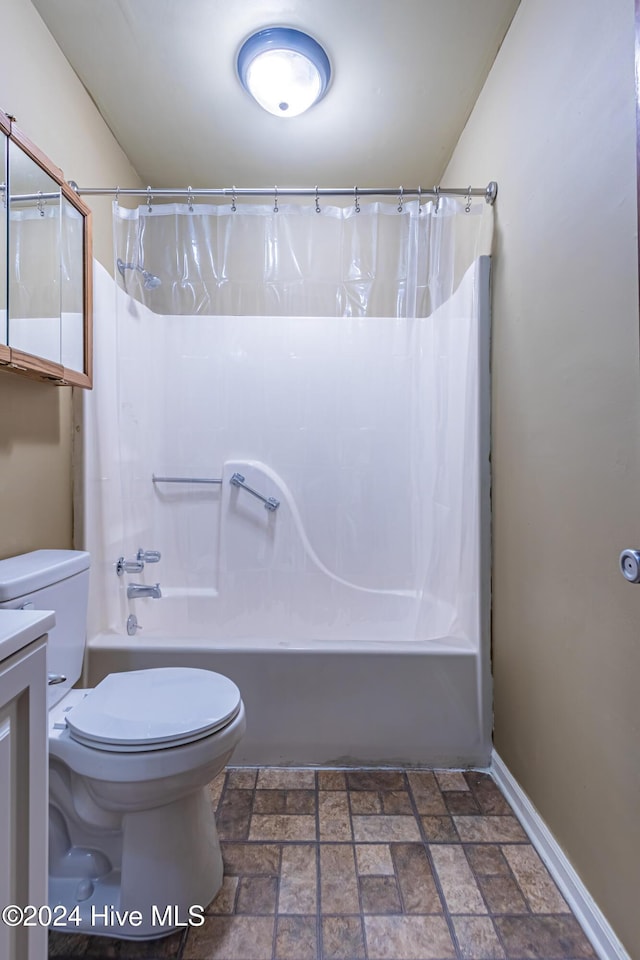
<point x="133" y="847"/>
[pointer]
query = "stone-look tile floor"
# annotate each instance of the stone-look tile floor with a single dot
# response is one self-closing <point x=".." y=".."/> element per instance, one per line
<point x="366" y="865"/>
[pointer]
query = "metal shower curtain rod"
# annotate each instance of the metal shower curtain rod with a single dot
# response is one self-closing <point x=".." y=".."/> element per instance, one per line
<point x="192" y="193"/>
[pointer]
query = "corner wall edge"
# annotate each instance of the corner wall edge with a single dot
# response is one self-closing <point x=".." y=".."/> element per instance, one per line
<point x="596" y="927"/>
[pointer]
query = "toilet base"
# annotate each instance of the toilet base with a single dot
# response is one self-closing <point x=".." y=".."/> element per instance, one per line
<point x="171" y="870"/>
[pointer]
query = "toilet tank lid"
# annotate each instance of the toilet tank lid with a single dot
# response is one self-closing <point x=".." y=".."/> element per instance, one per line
<point x="38" y="569"/>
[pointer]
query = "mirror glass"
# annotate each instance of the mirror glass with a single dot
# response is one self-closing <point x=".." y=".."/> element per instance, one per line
<point x="3" y="237"/>
<point x="34" y="258"/>
<point x="72" y="287"/>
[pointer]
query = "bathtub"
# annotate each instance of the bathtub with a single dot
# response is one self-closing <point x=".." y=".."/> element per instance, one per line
<point x="375" y="703"/>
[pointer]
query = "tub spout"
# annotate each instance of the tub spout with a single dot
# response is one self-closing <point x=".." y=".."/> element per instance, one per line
<point x="143" y="590"/>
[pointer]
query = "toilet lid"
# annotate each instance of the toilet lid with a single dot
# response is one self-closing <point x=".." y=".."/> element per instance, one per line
<point x="152" y="709"/>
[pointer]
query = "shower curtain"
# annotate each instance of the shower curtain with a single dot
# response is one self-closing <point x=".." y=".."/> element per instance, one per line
<point x="330" y="357"/>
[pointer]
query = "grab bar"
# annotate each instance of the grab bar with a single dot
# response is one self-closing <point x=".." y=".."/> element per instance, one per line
<point x="155" y="479"/>
<point x="237" y="480"/>
<point x="270" y="503"/>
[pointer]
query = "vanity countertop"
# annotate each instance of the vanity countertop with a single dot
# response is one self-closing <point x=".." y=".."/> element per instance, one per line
<point x="20" y="627"/>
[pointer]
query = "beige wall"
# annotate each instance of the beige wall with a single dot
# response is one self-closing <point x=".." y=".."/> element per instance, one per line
<point x="51" y="106"/>
<point x="555" y="126"/>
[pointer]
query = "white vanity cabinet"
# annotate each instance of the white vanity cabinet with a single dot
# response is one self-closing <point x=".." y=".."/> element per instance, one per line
<point x="23" y="777"/>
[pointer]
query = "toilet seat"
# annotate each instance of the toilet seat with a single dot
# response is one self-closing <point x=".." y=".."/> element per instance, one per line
<point x="154" y="709"/>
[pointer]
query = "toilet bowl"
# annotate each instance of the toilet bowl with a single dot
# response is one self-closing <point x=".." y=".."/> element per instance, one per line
<point x="133" y="847"/>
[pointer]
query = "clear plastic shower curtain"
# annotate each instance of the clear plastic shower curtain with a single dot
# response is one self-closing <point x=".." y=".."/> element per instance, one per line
<point x="331" y="358"/>
<point x="378" y="262"/>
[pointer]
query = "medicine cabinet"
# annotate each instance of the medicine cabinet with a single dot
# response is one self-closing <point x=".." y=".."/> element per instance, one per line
<point x="45" y="289"/>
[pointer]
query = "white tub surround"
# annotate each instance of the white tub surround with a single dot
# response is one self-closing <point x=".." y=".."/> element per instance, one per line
<point x="349" y="597"/>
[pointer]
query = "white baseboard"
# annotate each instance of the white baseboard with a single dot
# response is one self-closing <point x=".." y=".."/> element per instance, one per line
<point x="595" y="925"/>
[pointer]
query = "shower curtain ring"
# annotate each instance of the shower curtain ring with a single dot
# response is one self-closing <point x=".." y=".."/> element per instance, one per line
<point x="419" y="200"/>
<point x="355" y="200"/>
<point x="401" y="200"/>
<point x="275" y="196"/>
<point x="317" y="200"/>
<point x="233" y="200"/>
<point x="117" y="197"/>
<point x="190" y="199"/>
<point x="40" y="204"/>
<point x="436" y="191"/>
<point x="149" y="199"/>
<point x="467" y="208"/>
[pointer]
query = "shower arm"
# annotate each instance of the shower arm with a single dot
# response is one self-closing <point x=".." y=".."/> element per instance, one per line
<point x="149" y="280"/>
<point x="489" y="192"/>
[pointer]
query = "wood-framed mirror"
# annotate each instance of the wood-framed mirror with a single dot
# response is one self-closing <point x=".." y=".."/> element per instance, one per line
<point x="46" y="244"/>
<point x="5" y="130"/>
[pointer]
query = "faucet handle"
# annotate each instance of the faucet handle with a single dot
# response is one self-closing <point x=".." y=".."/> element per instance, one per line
<point x="148" y="556"/>
<point x="129" y="566"/>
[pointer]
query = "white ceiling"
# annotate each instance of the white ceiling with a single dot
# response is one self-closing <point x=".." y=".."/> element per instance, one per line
<point x="406" y="74"/>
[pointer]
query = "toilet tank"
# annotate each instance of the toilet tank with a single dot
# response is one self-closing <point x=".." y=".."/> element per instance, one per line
<point x="55" y="580"/>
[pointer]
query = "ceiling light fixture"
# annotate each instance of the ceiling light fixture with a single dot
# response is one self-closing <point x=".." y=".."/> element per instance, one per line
<point x="285" y="70"/>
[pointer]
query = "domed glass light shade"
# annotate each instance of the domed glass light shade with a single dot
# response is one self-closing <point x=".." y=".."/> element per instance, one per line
<point x="285" y="71"/>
